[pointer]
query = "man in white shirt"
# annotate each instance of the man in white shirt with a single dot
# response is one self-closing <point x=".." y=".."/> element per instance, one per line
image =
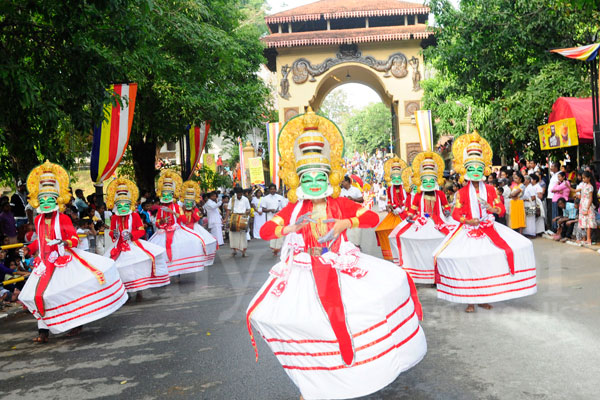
<point x="271" y="205"/>
<point x="213" y="215"/>
<point x="260" y="217"/>
<point x="239" y="207"/>
<point x="354" y="194"/>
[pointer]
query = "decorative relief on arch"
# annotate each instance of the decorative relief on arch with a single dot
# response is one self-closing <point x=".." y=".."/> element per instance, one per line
<point x="395" y="65"/>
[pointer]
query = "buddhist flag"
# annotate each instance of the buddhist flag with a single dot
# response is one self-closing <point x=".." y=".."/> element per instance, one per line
<point x="583" y="53"/>
<point x="242" y="164"/>
<point x="423" y="118"/>
<point x="272" y="135"/>
<point x="195" y="141"/>
<point x="111" y="139"/>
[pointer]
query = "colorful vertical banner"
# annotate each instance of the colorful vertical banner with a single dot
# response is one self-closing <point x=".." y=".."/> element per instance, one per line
<point x="557" y="134"/>
<point x="272" y="135"/>
<point x="257" y="175"/>
<point x="583" y="53"/>
<point x="423" y="119"/>
<point x="195" y="141"/>
<point x="209" y="162"/>
<point x="242" y="165"/>
<point x="111" y="138"/>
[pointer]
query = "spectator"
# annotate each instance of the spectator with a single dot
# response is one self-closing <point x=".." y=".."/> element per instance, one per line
<point x="80" y="203"/>
<point x="561" y="190"/>
<point x="517" y="206"/>
<point x="540" y="219"/>
<point x="550" y="204"/>
<point x="566" y="219"/>
<point x="8" y="226"/>
<point x="86" y="228"/>
<point x="19" y="201"/>
<point x="588" y="205"/>
<point x="530" y="203"/>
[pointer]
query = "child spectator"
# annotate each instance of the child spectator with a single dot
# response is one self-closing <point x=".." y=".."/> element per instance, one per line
<point x="86" y="228"/>
<point x="588" y="205"/>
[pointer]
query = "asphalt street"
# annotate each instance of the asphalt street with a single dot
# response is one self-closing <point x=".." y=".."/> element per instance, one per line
<point x="189" y="341"/>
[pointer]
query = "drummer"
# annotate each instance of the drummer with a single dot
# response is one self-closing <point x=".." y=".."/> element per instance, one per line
<point x="239" y="205"/>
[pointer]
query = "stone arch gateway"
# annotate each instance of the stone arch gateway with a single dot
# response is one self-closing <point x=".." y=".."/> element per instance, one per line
<point x="320" y="46"/>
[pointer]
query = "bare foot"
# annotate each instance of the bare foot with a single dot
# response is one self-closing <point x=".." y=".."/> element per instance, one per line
<point x="470" y="308"/>
<point x="41" y="338"/>
<point x="485" y="306"/>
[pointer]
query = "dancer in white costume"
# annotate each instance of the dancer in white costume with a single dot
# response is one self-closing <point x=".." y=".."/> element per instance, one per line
<point x="68" y="287"/>
<point x="215" y="220"/>
<point x="185" y="250"/>
<point x="482" y="261"/>
<point x="343" y="324"/>
<point x="142" y="265"/>
<point x="190" y="196"/>
<point x="428" y="222"/>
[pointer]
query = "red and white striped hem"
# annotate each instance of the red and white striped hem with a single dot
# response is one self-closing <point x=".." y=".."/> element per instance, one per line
<point x="86" y="312"/>
<point x="488" y="289"/>
<point x="186" y="265"/>
<point x="295" y="354"/>
<point x="147" y="283"/>
<point x="421" y="275"/>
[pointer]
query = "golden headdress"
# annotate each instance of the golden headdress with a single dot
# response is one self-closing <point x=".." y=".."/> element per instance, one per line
<point x="48" y="179"/>
<point x="407" y="174"/>
<point x="393" y="166"/>
<point x="471" y="148"/>
<point x="190" y="191"/>
<point x="169" y="180"/>
<point x="428" y="163"/>
<point x="310" y="142"/>
<point x="121" y="189"/>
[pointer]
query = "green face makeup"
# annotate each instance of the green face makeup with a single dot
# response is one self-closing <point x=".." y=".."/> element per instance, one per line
<point x="314" y="183"/>
<point x="475" y="172"/>
<point x="428" y="183"/>
<point x="166" y="197"/>
<point x="123" y="208"/>
<point x="188" y="204"/>
<point x="396" y="179"/>
<point x="48" y="204"/>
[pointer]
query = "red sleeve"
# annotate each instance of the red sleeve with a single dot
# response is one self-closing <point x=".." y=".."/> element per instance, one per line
<point x="443" y="200"/>
<point x="273" y="227"/>
<point x="359" y="216"/>
<point x="494" y="200"/>
<point x="67" y="230"/>
<point x="413" y="209"/>
<point x="113" y="226"/>
<point x="462" y="208"/>
<point x="137" y="228"/>
<point x="196" y="215"/>
<point x="389" y="193"/>
<point x="182" y="219"/>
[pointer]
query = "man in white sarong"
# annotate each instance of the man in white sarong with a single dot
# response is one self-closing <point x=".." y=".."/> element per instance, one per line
<point x="213" y="214"/>
<point x="260" y="217"/>
<point x="239" y="207"/>
<point x="272" y="204"/>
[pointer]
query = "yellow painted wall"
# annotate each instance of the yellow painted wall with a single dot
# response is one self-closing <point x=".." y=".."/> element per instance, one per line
<point x="391" y="89"/>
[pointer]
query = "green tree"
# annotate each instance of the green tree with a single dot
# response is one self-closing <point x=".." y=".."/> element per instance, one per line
<point x="368" y="129"/>
<point x="493" y="55"/>
<point x="56" y="59"/>
<point x="336" y="107"/>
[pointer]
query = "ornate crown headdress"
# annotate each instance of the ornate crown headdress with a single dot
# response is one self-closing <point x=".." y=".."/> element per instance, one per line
<point x="471" y="148"/>
<point x="309" y="142"/>
<point x="48" y="179"/>
<point x="393" y="166"/>
<point x="121" y="189"/>
<point x="428" y="163"/>
<point x="407" y="174"/>
<point x="169" y="181"/>
<point x="190" y="190"/>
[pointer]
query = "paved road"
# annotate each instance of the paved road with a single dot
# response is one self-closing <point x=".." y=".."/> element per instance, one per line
<point x="189" y="341"/>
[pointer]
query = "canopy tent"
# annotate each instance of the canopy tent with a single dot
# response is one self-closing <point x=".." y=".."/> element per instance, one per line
<point x="581" y="110"/>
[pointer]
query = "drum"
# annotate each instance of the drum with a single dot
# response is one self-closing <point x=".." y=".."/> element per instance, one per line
<point x="238" y="222"/>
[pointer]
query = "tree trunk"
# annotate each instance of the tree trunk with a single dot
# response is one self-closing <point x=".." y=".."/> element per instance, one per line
<point x="144" y="159"/>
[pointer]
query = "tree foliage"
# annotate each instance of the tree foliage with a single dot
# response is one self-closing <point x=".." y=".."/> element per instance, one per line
<point x="368" y="129"/>
<point x="336" y="107"/>
<point x="193" y="61"/>
<point x="493" y="55"/>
